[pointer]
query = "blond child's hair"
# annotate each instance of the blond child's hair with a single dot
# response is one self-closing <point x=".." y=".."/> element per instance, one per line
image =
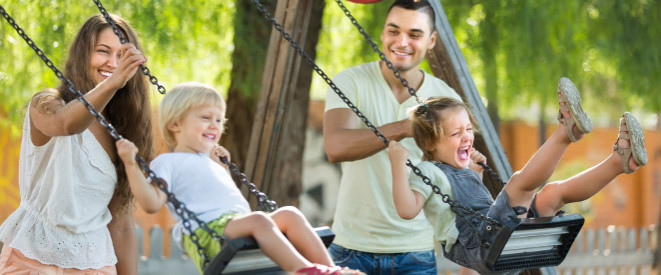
<point x="426" y="122"/>
<point x="181" y="99"/>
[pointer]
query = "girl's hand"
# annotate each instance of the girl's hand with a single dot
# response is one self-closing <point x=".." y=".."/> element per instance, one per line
<point x="475" y="158"/>
<point x="126" y="151"/>
<point x="397" y="152"/>
<point x="131" y="58"/>
<point x="218" y="153"/>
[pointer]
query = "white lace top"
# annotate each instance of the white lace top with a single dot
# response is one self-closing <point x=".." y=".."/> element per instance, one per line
<point x="65" y="187"/>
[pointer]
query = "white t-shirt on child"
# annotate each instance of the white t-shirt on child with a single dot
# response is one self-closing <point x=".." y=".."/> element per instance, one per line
<point x="203" y="185"/>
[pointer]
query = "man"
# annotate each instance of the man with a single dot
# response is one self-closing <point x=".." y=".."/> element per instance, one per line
<point x="370" y="236"/>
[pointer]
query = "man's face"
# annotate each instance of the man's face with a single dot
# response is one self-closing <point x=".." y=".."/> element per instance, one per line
<point x="406" y="37"/>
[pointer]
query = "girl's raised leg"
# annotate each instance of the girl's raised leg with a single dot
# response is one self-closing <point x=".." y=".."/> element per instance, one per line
<point x="574" y="124"/>
<point x="628" y="155"/>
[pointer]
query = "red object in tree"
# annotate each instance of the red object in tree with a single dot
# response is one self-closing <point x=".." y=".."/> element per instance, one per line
<point x="364" y="1"/>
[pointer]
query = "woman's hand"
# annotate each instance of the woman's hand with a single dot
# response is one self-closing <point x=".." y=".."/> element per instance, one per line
<point x="131" y="58"/>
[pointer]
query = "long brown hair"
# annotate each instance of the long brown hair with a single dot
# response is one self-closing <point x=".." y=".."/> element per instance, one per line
<point x="129" y="110"/>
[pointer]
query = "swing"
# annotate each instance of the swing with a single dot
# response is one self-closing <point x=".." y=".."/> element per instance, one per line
<point x="514" y="248"/>
<point x="524" y="244"/>
<point x="243" y="250"/>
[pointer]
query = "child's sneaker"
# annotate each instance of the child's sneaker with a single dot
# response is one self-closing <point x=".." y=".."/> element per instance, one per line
<point x="568" y="94"/>
<point x="318" y="269"/>
<point x="630" y="130"/>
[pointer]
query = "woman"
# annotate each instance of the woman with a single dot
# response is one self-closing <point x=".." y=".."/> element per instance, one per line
<point x="76" y="212"/>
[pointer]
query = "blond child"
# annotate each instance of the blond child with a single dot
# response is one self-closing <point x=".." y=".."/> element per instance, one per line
<point x="191" y="118"/>
<point x="444" y="129"/>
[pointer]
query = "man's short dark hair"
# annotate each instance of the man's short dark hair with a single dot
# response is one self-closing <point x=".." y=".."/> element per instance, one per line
<point x="417" y="5"/>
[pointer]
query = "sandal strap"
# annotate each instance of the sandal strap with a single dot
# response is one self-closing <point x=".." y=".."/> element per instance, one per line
<point x="625" y="154"/>
<point x="569" y="124"/>
<point x="626" y="136"/>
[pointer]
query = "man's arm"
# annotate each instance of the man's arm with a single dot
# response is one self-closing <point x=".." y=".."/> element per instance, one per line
<point x="124" y="237"/>
<point x="344" y="142"/>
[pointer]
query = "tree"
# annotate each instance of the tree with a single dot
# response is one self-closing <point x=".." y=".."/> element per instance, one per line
<point x="248" y="59"/>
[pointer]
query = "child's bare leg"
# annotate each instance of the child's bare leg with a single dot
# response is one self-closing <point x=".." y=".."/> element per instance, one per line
<point x="300" y="233"/>
<point x="539" y="168"/>
<point x="271" y="241"/>
<point x="467" y="271"/>
<point x="587" y="183"/>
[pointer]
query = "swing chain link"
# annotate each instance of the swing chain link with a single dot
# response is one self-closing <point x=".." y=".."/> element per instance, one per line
<point x="445" y="198"/>
<point x="60" y="75"/>
<point x="123" y="40"/>
<point x="262" y="200"/>
<point x="321" y="73"/>
<point x="454" y="206"/>
<point x="492" y="173"/>
<point x="179" y="207"/>
<point x="375" y="47"/>
<point x="183" y="212"/>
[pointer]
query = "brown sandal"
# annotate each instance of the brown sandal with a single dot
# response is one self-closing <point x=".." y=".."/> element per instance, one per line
<point x="634" y="133"/>
<point x="569" y="95"/>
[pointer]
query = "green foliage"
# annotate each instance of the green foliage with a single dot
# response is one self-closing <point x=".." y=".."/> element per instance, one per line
<point x="182" y="40"/>
<point x="516" y="50"/>
<point x="605" y="46"/>
<point x="341" y="45"/>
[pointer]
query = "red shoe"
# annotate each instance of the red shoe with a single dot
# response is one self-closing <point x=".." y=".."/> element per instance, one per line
<point x="318" y="269"/>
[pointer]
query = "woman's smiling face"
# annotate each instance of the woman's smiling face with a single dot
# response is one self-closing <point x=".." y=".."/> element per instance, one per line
<point x="105" y="55"/>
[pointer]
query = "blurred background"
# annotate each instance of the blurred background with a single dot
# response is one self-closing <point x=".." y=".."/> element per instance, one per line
<point x="516" y="51"/>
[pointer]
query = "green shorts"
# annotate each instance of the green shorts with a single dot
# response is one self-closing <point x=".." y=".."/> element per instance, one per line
<point x="211" y="246"/>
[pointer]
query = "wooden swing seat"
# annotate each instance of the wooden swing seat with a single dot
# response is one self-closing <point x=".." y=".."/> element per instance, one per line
<point x="243" y="256"/>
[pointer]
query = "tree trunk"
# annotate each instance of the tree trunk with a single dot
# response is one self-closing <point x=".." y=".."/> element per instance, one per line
<point x="251" y="32"/>
<point x="275" y="157"/>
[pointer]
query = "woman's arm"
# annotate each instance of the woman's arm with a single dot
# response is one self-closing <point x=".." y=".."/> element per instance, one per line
<point x="124" y="237"/>
<point x="51" y="117"/>
<point x="150" y="198"/>
<point x="407" y="202"/>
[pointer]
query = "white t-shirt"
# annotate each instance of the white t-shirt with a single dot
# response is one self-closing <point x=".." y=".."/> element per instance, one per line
<point x="66" y="185"/>
<point x="366" y="218"/>
<point x="203" y="185"/>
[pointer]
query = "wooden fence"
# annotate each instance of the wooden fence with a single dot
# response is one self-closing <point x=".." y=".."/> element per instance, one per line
<point x="604" y="251"/>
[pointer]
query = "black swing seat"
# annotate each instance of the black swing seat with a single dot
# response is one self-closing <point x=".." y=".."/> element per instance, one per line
<point x="533" y="243"/>
<point x="243" y="256"/>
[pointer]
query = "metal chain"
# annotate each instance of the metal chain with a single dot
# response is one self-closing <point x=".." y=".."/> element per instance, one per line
<point x="375" y="47"/>
<point x="491" y="173"/>
<point x="454" y="206"/>
<point x="123" y="40"/>
<point x="180" y="207"/>
<point x="397" y="74"/>
<point x="321" y="73"/>
<point x="264" y="202"/>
